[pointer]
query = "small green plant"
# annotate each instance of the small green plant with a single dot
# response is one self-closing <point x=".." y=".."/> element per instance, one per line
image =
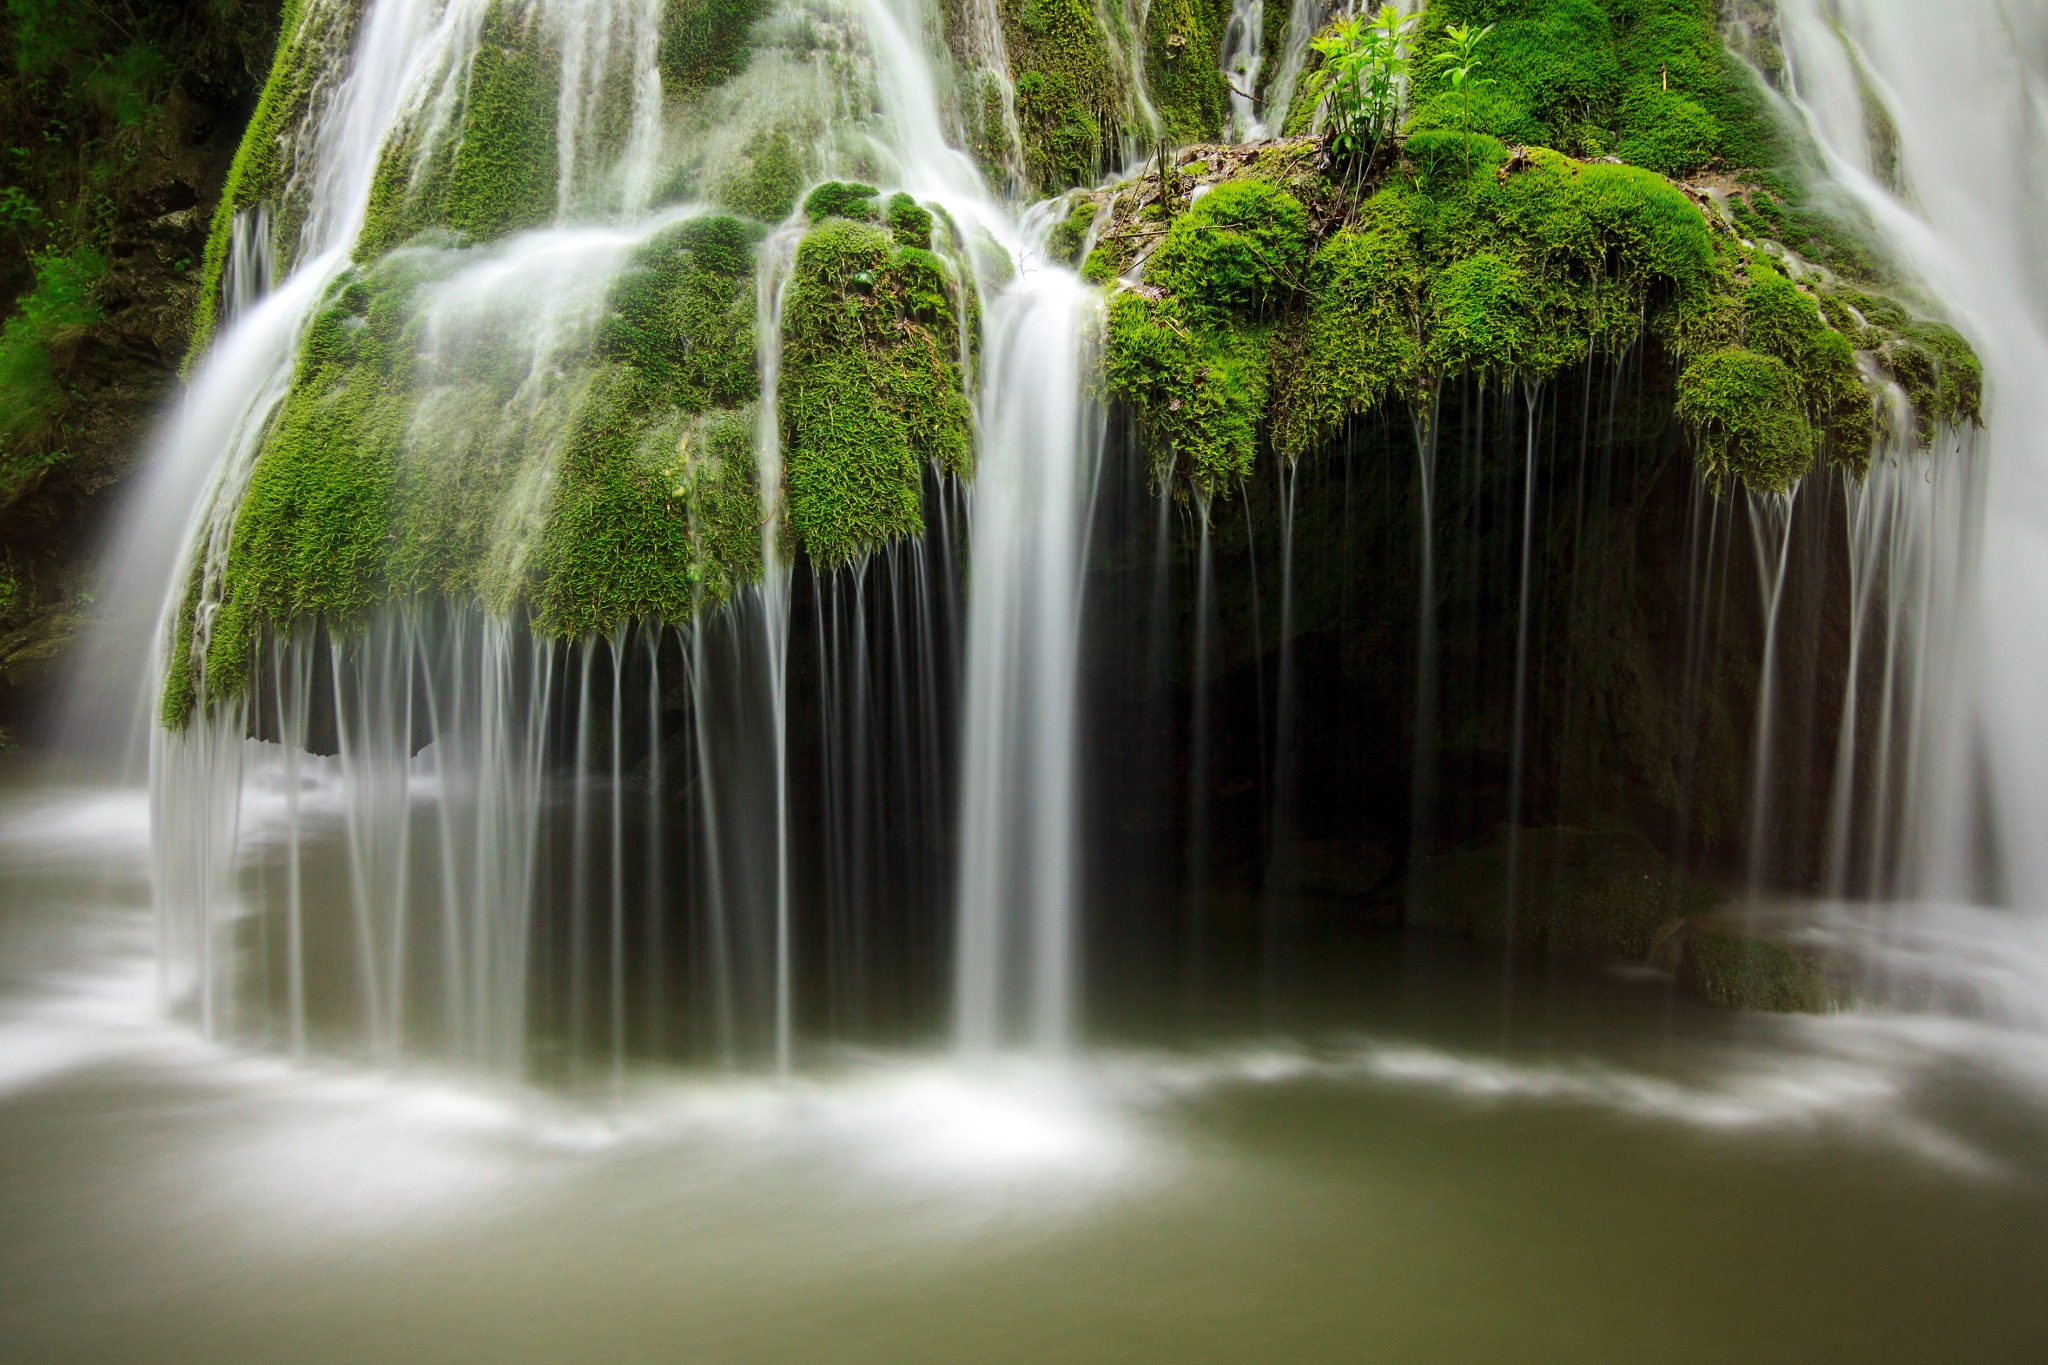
<point x="1459" y="62"/>
<point x="1364" y="61"/>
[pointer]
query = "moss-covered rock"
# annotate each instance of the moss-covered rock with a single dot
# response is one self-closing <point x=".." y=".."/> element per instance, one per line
<point x="1723" y="963"/>
<point x="705" y="42"/>
<point x="1070" y="91"/>
<point x="313" y="38"/>
<point x="872" y="391"/>
<point x="1183" y="67"/>
<point x="496" y="171"/>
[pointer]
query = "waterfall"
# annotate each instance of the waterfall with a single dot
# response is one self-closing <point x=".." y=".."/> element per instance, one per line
<point x="1017" y="896"/>
<point x="441" y="795"/>
<point x="1963" y="207"/>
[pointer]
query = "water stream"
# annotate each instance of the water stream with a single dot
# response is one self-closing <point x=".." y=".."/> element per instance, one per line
<point x="887" y="957"/>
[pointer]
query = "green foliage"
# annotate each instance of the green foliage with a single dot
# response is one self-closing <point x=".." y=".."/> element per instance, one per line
<point x="655" y="519"/>
<point x="1649" y="80"/>
<point x="1939" y="372"/>
<point x="313" y="527"/>
<point x="1356" y="346"/>
<point x="497" y="174"/>
<point x="1747" y="416"/>
<point x="503" y="173"/>
<point x="1752" y="973"/>
<point x="839" y="199"/>
<point x="1062" y="143"/>
<point x="256" y="174"/>
<point x="1781" y="320"/>
<point x="1197" y="391"/>
<point x="1511" y="270"/>
<point x="871" y="387"/>
<point x="1460" y="64"/>
<point x="1364" y="62"/>
<point x="56" y="312"/>
<point x="705" y="42"/>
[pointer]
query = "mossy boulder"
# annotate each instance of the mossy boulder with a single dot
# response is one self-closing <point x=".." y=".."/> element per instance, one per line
<point x="872" y="390"/>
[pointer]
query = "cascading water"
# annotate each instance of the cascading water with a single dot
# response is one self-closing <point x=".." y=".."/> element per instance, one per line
<point x="1936" y="131"/>
<point x="476" y="771"/>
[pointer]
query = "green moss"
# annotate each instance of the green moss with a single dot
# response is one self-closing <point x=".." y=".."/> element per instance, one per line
<point x="497" y="173"/>
<point x="705" y="42"/>
<point x="683" y="314"/>
<point x="840" y="199"/>
<point x="768" y="177"/>
<point x="1648" y="80"/>
<point x="1197" y="391"/>
<point x="1748" y="417"/>
<point x="312" y="529"/>
<point x="1780" y="319"/>
<point x="1356" y="346"/>
<point x="871" y="388"/>
<point x="1069" y="236"/>
<point x="1551" y="72"/>
<point x="503" y="176"/>
<point x="1239" y="248"/>
<point x="656" y="518"/>
<point x="909" y="224"/>
<point x="1183" y="67"/>
<point x="1069" y="91"/>
<point x="1577" y="893"/>
<point x="1940" y="373"/>
<point x="258" y="171"/>
<point x="1752" y="973"/>
<point x="1510" y="269"/>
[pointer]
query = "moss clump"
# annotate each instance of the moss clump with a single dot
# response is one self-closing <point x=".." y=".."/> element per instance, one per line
<point x="1069" y="237"/>
<point x="1647" y="80"/>
<point x="683" y="314"/>
<point x="497" y="174"/>
<point x="1197" y="391"/>
<point x="1070" y="92"/>
<point x="655" y="518"/>
<point x="1747" y="416"/>
<point x="656" y="511"/>
<point x="909" y="224"/>
<point x="871" y="389"/>
<point x="1239" y="249"/>
<point x="1356" y="347"/>
<point x="1940" y="373"/>
<point x="705" y="42"/>
<point x="313" y="526"/>
<point x="768" y="177"/>
<point x="1781" y="320"/>
<point x="1518" y="268"/>
<point x="1183" y="67"/>
<point x="1576" y="893"/>
<point x="1752" y="973"/>
<point x="840" y="199"/>
<point x="1192" y="355"/>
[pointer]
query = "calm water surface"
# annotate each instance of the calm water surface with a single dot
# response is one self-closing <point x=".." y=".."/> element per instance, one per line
<point x="1388" y="1174"/>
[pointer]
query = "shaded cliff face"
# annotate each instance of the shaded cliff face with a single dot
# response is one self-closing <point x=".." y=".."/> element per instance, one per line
<point x="120" y="120"/>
